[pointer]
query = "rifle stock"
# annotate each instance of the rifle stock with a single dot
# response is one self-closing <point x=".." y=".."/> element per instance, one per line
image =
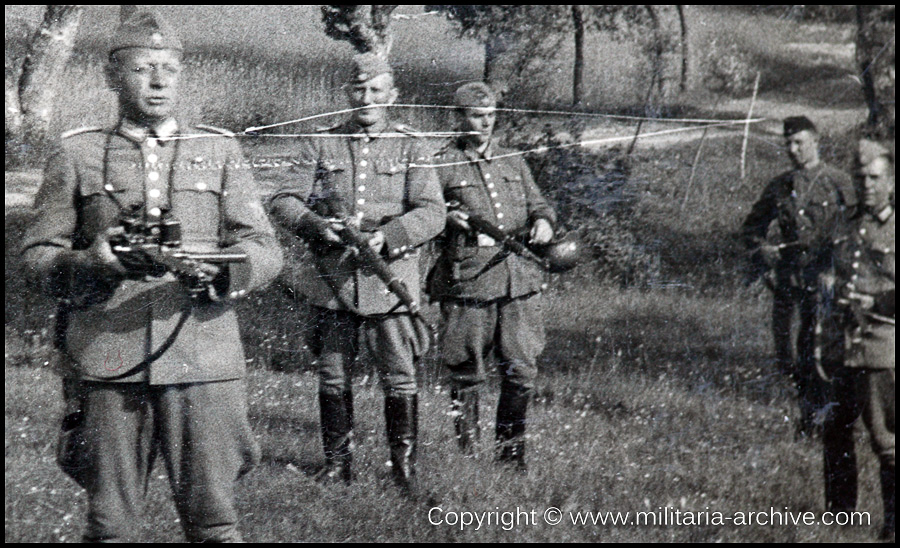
<point x="506" y="241"/>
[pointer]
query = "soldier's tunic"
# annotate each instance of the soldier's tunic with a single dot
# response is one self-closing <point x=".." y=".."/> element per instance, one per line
<point x="376" y="179"/>
<point x="489" y="301"/>
<point x="190" y="402"/>
<point x="809" y="206"/>
<point x="865" y="384"/>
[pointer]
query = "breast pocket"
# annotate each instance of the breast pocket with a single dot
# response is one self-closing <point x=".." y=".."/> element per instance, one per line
<point x="196" y="203"/>
<point x="390" y="183"/>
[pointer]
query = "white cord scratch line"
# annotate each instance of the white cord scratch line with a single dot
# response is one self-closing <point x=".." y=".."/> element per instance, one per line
<point x="518" y="110"/>
<point x="605" y="140"/>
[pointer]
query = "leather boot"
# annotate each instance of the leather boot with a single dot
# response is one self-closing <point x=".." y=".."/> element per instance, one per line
<point x="888" y="496"/>
<point x="465" y="418"/>
<point x="401" y="418"/>
<point x="336" y="421"/>
<point x="511" y="412"/>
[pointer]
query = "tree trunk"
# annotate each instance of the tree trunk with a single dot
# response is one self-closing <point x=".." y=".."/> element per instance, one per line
<point x="45" y="61"/>
<point x="496" y="63"/>
<point x="657" y="65"/>
<point x="126" y="11"/>
<point x="875" y="55"/>
<point x="685" y="48"/>
<point x="578" y="22"/>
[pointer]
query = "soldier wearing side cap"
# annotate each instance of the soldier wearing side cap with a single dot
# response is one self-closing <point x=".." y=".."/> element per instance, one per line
<point x="490" y="300"/>
<point x="375" y="177"/>
<point x="808" y="206"/>
<point x="861" y="340"/>
<point x="148" y="365"/>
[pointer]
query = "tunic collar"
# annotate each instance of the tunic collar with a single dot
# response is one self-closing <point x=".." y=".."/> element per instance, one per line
<point x="139" y="133"/>
<point x="473" y="154"/>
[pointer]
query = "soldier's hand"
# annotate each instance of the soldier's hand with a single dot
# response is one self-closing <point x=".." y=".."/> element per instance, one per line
<point x="866" y="302"/>
<point x="100" y="255"/>
<point x="541" y="232"/>
<point x="770" y="254"/>
<point x="459" y="220"/>
<point x="376" y="241"/>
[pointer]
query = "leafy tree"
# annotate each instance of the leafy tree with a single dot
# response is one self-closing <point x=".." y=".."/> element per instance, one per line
<point x="875" y="55"/>
<point x="367" y="28"/>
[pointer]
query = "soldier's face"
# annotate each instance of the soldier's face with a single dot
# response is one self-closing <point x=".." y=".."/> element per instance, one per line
<point x="146" y="81"/>
<point x="480" y="121"/>
<point x="368" y="96"/>
<point x="803" y="148"/>
<point x="877" y="179"/>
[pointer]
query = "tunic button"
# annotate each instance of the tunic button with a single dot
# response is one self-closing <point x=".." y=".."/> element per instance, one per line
<point x="490" y="185"/>
<point x="493" y="194"/>
<point x="463" y="183"/>
<point x="862" y="231"/>
<point x="153" y="176"/>
<point x="156" y="212"/>
<point x="499" y="215"/>
<point x="362" y="188"/>
<point x="362" y="175"/>
<point x="801" y="212"/>
<point x="360" y="214"/>
<point x="152" y="158"/>
<point x="857" y="253"/>
<point x="363" y="163"/>
<point x="365" y="150"/>
<point x="154" y="193"/>
<point x="500" y="227"/>
<point x="109" y="187"/>
<point x="487" y="175"/>
<point x="497" y="205"/>
<point x="151" y="142"/>
<point x="234" y="294"/>
<point x="855" y="266"/>
<point x="361" y="201"/>
<point x="201" y="186"/>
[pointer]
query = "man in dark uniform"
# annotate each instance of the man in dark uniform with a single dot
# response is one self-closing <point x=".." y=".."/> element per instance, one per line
<point x="490" y="300"/>
<point x="365" y="172"/>
<point x="809" y="205"/>
<point x="125" y="400"/>
<point x="860" y="357"/>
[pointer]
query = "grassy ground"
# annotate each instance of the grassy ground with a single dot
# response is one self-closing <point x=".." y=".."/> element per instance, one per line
<point x="665" y="400"/>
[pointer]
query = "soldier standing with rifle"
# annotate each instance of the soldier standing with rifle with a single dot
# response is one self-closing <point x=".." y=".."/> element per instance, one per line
<point x="359" y="195"/>
<point x="152" y="357"/>
<point x="863" y="378"/>
<point x="809" y="205"/>
<point x="490" y="298"/>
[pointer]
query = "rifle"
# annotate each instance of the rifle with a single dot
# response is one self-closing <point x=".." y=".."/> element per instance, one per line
<point x="353" y="239"/>
<point x="554" y="257"/>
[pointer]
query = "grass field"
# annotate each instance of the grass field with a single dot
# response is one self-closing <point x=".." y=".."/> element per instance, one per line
<point x="657" y="391"/>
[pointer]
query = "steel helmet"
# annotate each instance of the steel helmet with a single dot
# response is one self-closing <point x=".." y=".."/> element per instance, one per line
<point x="563" y="254"/>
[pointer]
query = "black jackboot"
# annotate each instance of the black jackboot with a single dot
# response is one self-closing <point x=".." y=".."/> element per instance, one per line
<point x="401" y="418"/>
<point x="888" y="496"/>
<point x="336" y="422"/>
<point x="465" y="418"/>
<point x="511" y="412"/>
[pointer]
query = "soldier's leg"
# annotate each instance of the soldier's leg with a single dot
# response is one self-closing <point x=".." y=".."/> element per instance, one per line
<point x="782" y="316"/>
<point x="207" y="444"/>
<point x="466" y="339"/>
<point x="395" y="346"/>
<point x="336" y="348"/>
<point x="879" y="396"/>
<point x="837" y="440"/>
<point x="812" y="389"/>
<point x="120" y="449"/>
<point x="521" y="340"/>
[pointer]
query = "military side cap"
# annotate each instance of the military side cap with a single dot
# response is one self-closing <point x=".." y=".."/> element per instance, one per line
<point x="869" y="151"/>
<point x="145" y="30"/>
<point x="475" y="95"/>
<point x="796" y="124"/>
<point x="368" y="65"/>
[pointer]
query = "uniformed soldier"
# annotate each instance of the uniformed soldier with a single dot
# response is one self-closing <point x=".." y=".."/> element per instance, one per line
<point x="863" y="381"/>
<point x="490" y="300"/>
<point x="147" y="366"/>
<point x="809" y="204"/>
<point x="370" y="177"/>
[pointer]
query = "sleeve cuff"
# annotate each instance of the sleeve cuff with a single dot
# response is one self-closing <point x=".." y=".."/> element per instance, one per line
<point x="397" y="242"/>
<point x="235" y="280"/>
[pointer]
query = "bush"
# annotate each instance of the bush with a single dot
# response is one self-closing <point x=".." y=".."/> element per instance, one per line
<point x="728" y="69"/>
